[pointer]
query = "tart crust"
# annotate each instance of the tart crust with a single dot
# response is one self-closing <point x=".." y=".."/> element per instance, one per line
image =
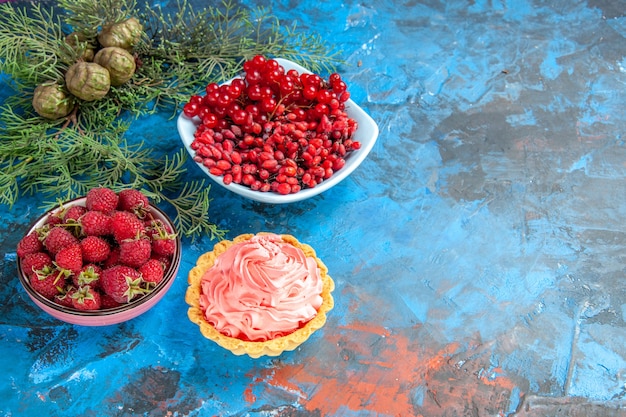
<point x="273" y="347"/>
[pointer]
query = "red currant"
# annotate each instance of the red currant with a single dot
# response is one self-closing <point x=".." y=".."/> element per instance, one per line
<point x="191" y="109"/>
<point x="273" y="130"/>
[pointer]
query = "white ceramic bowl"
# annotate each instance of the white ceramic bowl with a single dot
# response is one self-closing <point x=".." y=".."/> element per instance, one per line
<point x="104" y="317"/>
<point x="367" y="133"/>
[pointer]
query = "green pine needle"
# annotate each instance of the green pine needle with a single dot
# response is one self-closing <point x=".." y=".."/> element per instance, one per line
<point x="179" y="54"/>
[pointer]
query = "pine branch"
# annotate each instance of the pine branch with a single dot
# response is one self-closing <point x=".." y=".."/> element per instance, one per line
<point x="179" y="55"/>
<point x="87" y="16"/>
<point x="32" y="48"/>
<point x="191" y="203"/>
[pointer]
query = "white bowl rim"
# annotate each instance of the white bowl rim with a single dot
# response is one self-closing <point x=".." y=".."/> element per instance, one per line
<point x="186" y="127"/>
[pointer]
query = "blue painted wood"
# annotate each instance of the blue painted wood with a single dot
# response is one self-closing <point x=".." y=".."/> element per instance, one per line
<point x="477" y="252"/>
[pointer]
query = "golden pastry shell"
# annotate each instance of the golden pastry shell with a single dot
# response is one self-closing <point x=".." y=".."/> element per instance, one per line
<point x="272" y="347"/>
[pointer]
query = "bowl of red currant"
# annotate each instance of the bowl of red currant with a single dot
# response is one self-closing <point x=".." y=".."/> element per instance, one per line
<point x="278" y="133"/>
<point x="101" y="259"/>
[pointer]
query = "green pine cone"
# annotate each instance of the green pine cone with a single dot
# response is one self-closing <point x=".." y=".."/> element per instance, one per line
<point x="88" y="81"/>
<point x="118" y="61"/>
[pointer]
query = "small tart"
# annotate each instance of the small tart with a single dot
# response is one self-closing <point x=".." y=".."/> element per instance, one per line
<point x="255" y="349"/>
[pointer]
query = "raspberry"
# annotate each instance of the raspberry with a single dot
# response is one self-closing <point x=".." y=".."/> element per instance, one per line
<point x="69" y="259"/>
<point x="95" y="223"/>
<point x="126" y="225"/>
<point x="122" y="283"/>
<point x="164" y="247"/>
<point x="73" y="213"/>
<point x="88" y="257"/>
<point x="113" y="259"/>
<point x="65" y="298"/>
<point x="89" y="275"/>
<point x="152" y="271"/>
<point x="163" y="240"/>
<point x="86" y="298"/>
<point x="134" y="201"/>
<point x="35" y="262"/>
<point x="135" y="252"/>
<point x="57" y="238"/>
<point x="166" y="261"/>
<point x="101" y="199"/>
<point x="53" y="220"/>
<point x="95" y="249"/>
<point x="29" y="244"/>
<point x="106" y="301"/>
<point x="55" y="217"/>
<point x="48" y="283"/>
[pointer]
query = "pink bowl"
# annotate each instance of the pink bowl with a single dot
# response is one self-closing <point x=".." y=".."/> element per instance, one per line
<point x="104" y="317"/>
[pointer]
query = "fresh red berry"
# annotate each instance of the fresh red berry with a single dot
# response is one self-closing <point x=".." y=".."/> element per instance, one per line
<point x="55" y="217"/>
<point x="134" y="201"/>
<point x="72" y="214"/>
<point x="273" y="111"/>
<point x="29" y="244"/>
<point x="48" y="283"/>
<point x="126" y="225"/>
<point x="35" y="261"/>
<point x="88" y="275"/>
<point x="164" y="247"/>
<point x="95" y="249"/>
<point x="163" y="240"/>
<point x="101" y="199"/>
<point x="166" y="261"/>
<point x="86" y="298"/>
<point x="57" y="238"/>
<point x="66" y="259"/>
<point x="70" y="259"/>
<point x="106" y="301"/>
<point x="135" y="252"/>
<point x="122" y="283"/>
<point x="64" y="298"/>
<point x="113" y="259"/>
<point x="95" y="223"/>
<point x="152" y="271"/>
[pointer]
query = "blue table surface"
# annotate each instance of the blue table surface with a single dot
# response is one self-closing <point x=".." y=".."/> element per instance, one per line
<point x="478" y="252"/>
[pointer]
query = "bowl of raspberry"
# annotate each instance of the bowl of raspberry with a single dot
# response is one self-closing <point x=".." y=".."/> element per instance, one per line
<point x="101" y="259"/>
<point x="278" y="133"/>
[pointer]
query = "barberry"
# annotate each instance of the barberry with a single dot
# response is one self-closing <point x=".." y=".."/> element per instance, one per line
<point x="268" y="119"/>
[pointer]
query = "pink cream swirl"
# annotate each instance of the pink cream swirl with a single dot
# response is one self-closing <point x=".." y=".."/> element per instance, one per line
<point x="261" y="289"/>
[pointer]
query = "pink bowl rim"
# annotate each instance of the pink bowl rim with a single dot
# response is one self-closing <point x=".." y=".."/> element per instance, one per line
<point x="111" y="315"/>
